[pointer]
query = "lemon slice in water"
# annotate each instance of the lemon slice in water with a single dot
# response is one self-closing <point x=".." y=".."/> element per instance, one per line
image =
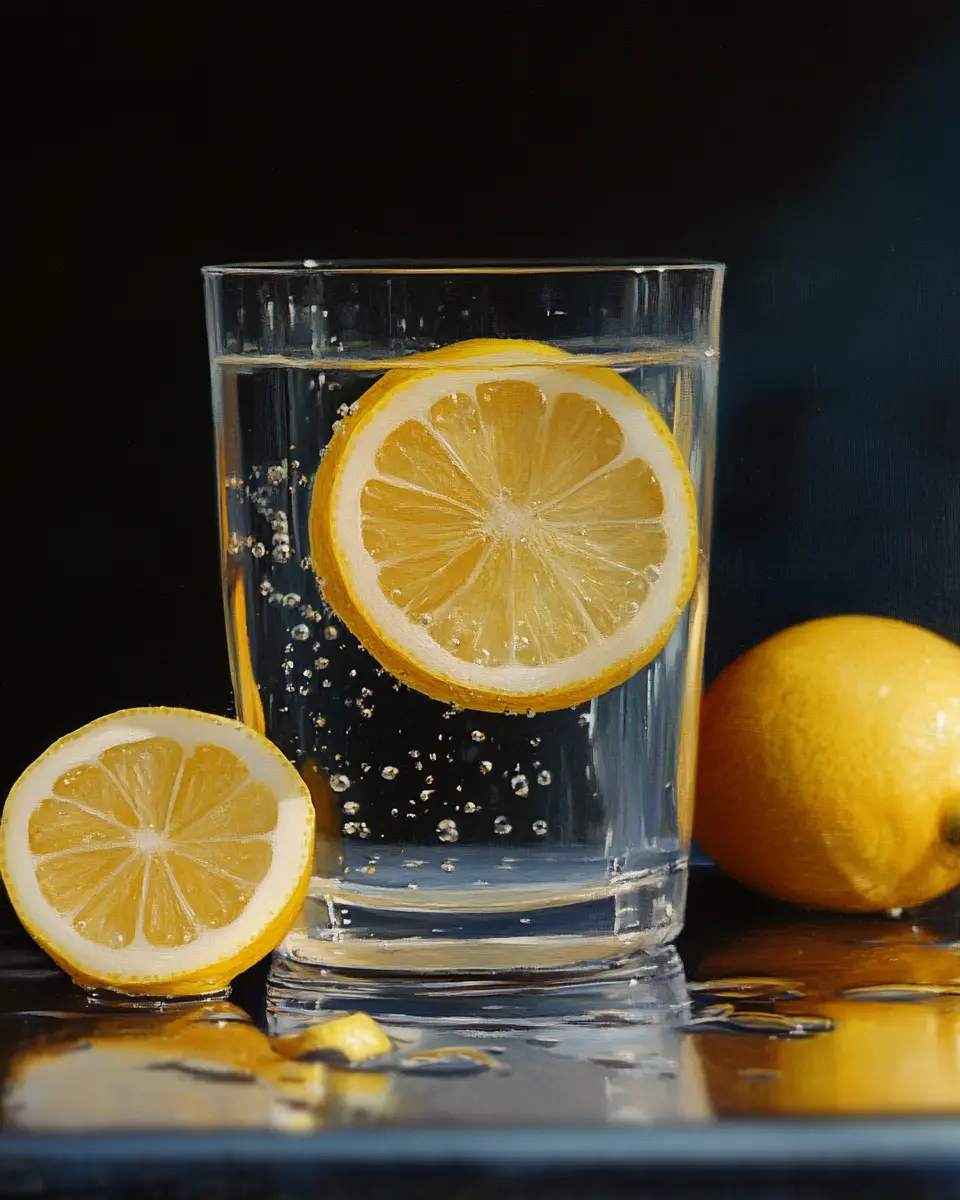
<point x="503" y="528"/>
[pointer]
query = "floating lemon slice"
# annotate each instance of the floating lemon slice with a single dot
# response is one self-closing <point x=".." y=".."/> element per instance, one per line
<point x="503" y="528"/>
<point x="158" y="851"/>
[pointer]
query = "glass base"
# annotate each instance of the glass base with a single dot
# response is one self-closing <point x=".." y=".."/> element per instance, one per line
<point x="353" y="941"/>
<point x="643" y="988"/>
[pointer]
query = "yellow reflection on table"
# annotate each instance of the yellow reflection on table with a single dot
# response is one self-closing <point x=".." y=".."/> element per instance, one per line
<point x="206" y="1068"/>
<point x="892" y="991"/>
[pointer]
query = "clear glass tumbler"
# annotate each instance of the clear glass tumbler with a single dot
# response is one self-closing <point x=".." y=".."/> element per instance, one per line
<point x="466" y="516"/>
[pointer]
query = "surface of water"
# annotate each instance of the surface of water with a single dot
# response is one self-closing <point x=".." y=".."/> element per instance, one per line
<point x="528" y="826"/>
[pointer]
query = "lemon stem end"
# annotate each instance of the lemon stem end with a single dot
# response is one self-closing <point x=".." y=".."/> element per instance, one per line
<point x="950" y="824"/>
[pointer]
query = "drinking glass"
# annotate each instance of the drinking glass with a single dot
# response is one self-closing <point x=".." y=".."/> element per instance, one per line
<point x="542" y="835"/>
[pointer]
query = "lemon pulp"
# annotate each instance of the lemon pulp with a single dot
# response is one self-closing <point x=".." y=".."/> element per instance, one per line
<point x="506" y="535"/>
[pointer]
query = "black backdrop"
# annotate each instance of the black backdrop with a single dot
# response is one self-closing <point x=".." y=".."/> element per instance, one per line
<point x="818" y="155"/>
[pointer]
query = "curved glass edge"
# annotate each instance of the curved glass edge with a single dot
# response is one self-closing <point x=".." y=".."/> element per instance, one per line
<point x="310" y="266"/>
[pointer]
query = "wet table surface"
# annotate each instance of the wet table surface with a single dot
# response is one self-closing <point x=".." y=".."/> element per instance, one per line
<point x="777" y="1046"/>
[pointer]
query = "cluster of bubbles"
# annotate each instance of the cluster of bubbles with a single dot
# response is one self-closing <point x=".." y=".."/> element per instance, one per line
<point x="304" y="678"/>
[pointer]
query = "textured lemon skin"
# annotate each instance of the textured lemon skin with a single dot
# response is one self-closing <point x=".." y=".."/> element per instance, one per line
<point x="829" y="765"/>
<point x="168" y="983"/>
<point x="336" y="591"/>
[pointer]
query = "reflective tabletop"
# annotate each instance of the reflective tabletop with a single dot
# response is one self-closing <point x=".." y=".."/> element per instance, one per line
<point x="772" y="1041"/>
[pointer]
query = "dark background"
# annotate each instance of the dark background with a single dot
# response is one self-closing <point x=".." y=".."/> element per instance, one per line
<point x="815" y="151"/>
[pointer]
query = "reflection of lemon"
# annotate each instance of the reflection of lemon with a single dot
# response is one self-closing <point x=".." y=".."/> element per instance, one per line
<point x="833" y="954"/>
<point x="501" y="527"/>
<point x="209" y="1069"/>
<point x="829" y="768"/>
<point x="880" y="1057"/>
<point x="158" y="851"/>
<point x="360" y="1095"/>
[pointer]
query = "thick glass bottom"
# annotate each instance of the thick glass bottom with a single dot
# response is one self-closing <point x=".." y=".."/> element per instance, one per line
<point x="369" y="940"/>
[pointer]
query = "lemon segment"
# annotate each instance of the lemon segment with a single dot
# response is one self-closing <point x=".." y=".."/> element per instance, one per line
<point x="158" y="851"/>
<point x="502" y="535"/>
<point x="355" y="1037"/>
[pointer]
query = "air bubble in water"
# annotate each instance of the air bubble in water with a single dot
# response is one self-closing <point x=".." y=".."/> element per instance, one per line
<point x="300" y="633"/>
<point x="426" y="793"/>
<point x="486" y="767"/>
<point x="339" y="783"/>
<point x="539" y="828"/>
<point x="390" y="772"/>
<point x="544" y="778"/>
<point x="258" y="549"/>
<point x="478" y="735"/>
<point x="470" y="807"/>
<point x="350" y="827"/>
<point x="351" y="808"/>
<point x="321" y="663"/>
<point x="520" y="785"/>
<point x="583" y="720"/>
<point x="331" y="633"/>
<point x="534" y="741"/>
<point x="447" y="865"/>
<point x="447" y="830"/>
<point x="501" y="825"/>
<point x="291" y="599"/>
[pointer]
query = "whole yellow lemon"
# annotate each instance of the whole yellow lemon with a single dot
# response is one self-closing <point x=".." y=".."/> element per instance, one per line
<point x="829" y="765"/>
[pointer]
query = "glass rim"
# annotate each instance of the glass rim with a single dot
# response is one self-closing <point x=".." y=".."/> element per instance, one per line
<point x="413" y="267"/>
